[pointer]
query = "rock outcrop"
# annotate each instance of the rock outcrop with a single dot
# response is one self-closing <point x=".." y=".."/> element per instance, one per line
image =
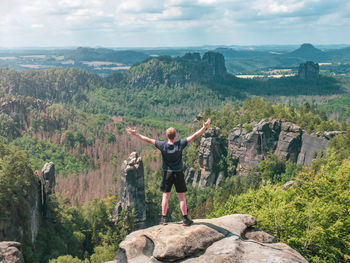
<point x="48" y="182"/>
<point x="132" y="188"/>
<point x="248" y="145"/>
<point x="223" y="239"/>
<point x="48" y="177"/>
<point x="285" y="139"/>
<point x="309" y="71"/>
<point x="10" y="252"/>
<point x="248" y="148"/>
<point x="217" y="63"/>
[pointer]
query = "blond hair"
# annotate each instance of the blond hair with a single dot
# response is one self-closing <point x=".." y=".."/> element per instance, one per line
<point x="171" y="133"/>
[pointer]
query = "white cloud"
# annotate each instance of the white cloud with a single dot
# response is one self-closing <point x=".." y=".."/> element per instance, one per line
<point x="37" y="25"/>
<point x="131" y="22"/>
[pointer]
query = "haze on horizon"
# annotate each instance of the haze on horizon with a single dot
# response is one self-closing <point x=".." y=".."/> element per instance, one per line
<point x="155" y="23"/>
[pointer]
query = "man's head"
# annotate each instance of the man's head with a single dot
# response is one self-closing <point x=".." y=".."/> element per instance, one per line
<point x="171" y="133"/>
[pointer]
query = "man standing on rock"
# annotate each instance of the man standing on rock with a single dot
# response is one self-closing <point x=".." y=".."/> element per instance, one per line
<point x="172" y="166"/>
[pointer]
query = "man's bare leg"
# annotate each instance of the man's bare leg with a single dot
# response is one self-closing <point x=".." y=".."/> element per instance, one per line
<point x="185" y="220"/>
<point x="165" y="202"/>
<point x="183" y="205"/>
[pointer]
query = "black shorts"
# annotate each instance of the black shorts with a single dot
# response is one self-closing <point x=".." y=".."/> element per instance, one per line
<point x="170" y="178"/>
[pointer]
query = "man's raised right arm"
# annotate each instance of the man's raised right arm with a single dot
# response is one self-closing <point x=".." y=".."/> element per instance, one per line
<point x="139" y="136"/>
<point x="199" y="132"/>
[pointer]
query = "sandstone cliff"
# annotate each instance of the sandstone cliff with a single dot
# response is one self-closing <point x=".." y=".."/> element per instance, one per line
<point x="246" y="146"/>
<point x="25" y="229"/>
<point x="229" y="238"/>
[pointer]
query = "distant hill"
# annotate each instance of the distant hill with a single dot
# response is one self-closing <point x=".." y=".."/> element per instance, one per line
<point x="340" y="55"/>
<point x="309" y="52"/>
<point x="252" y="60"/>
<point x="127" y="57"/>
<point x="173" y="88"/>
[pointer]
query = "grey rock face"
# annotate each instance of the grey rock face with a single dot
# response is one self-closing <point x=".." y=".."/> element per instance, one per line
<point x="48" y="182"/>
<point x="289" y="142"/>
<point x="249" y="148"/>
<point x="312" y="146"/>
<point x="10" y="252"/>
<point x="210" y="150"/>
<point x="13" y="226"/>
<point x="248" y="145"/>
<point x="217" y="62"/>
<point x="258" y="235"/>
<point x="132" y="189"/>
<point x="289" y="184"/>
<point x="48" y="177"/>
<point x="309" y="71"/>
<point x="207" y="240"/>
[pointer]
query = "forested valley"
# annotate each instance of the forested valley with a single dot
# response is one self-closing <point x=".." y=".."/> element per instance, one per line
<point x="77" y="120"/>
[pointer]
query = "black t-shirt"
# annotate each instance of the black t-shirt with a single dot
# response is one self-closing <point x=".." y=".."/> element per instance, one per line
<point x="172" y="154"/>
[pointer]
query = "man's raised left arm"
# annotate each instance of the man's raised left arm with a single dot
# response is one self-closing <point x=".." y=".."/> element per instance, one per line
<point x="139" y="136"/>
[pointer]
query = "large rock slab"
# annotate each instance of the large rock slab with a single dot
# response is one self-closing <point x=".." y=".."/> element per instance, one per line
<point x="207" y="240"/>
<point x="10" y="252"/>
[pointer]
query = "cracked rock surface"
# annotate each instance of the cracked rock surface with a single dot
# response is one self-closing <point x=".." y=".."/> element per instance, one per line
<point x="223" y="239"/>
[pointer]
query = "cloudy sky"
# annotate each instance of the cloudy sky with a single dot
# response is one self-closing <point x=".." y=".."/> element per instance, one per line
<point x="150" y="23"/>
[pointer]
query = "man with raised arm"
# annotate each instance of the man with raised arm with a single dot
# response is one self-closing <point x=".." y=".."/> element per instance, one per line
<point x="172" y="166"/>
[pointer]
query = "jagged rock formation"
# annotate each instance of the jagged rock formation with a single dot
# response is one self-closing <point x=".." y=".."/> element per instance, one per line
<point x="248" y="145"/>
<point x="309" y="71"/>
<point x="216" y="240"/>
<point x="211" y="148"/>
<point x="132" y="188"/>
<point x="10" y="252"/>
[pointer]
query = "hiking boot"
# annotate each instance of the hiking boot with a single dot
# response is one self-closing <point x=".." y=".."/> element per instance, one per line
<point x="186" y="221"/>
<point x="164" y="220"/>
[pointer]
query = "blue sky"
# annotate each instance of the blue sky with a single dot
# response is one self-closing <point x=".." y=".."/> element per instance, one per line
<point x="154" y="23"/>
